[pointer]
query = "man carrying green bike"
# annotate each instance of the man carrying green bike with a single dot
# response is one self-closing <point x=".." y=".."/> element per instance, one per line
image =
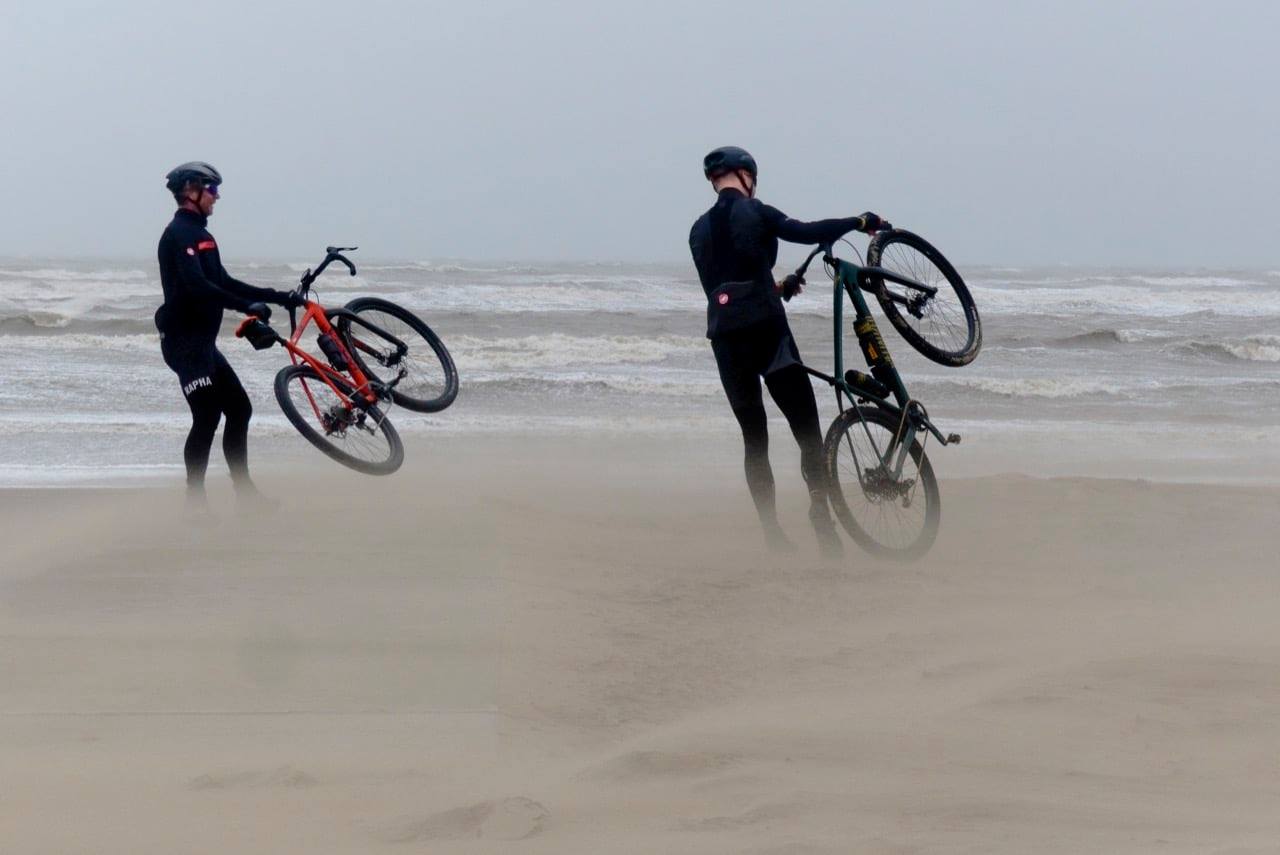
<point x="735" y="246"/>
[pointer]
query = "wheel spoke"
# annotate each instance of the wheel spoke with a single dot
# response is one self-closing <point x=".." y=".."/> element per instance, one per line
<point x="428" y="379"/>
<point x="333" y="420"/>
<point x="893" y="514"/>
<point x="944" y="324"/>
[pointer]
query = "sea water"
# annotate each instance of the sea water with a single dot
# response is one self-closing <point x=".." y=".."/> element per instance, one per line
<point x="1125" y="372"/>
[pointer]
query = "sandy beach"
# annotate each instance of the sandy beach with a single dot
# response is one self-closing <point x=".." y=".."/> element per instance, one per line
<point x="523" y="645"/>
<point x="557" y="629"/>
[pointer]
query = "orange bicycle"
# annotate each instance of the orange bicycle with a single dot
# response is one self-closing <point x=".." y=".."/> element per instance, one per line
<point x="374" y="354"/>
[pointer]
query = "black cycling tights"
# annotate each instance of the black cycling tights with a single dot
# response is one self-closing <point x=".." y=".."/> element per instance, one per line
<point x="770" y="352"/>
<point x="792" y="392"/>
<point x="222" y="395"/>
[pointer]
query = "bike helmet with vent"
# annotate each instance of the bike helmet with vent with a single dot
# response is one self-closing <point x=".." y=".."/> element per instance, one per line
<point x="728" y="158"/>
<point x="197" y="170"/>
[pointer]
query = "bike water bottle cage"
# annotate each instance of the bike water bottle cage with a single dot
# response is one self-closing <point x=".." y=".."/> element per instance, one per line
<point x="333" y="351"/>
<point x="866" y="383"/>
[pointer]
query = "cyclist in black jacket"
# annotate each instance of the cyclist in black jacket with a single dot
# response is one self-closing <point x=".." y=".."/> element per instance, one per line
<point x="734" y="246"/>
<point x="197" y="289"/>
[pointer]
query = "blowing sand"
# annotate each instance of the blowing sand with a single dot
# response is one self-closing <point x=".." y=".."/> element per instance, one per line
<point x="527" y="646"/>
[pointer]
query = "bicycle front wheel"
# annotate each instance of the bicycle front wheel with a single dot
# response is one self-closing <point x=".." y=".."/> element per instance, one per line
<point x="430" y="379"/>
<point x="892" y="516"/>
<point x="362" y="439"/>
<point x="944" y="325"/>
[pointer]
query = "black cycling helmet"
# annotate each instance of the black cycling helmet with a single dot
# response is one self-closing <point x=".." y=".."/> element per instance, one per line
<point x="197" y="170"/>
<point x="728" y="158"/>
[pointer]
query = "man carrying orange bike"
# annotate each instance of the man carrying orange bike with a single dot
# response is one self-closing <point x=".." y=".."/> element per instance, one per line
<point x="197" y="289"/>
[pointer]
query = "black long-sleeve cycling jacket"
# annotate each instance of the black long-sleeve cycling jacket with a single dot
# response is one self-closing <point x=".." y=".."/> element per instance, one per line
<point x="735" y="246"/>
<point x="197" y="288"/>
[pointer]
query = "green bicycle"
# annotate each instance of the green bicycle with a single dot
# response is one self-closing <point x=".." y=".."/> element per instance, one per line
<point x="883" y="489"/>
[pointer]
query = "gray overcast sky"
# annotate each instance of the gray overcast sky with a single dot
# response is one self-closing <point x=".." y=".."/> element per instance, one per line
<point x="1083" y="132"/>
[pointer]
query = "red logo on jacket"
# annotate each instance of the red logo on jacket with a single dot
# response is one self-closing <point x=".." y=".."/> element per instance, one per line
<point x="206" y="245"/>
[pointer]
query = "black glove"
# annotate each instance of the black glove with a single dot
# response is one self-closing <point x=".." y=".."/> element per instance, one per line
<point x="871" y="223"/>
<point x="288" y="299"/>
<point x="791" y="286"/>
<point x="259" y="310"/>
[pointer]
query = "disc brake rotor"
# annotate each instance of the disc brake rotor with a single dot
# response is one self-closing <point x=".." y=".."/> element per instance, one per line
<point x="880" y="486"/>
<point x="916" y="306"/>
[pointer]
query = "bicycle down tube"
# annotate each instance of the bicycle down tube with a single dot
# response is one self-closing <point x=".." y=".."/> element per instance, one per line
<point x="869" y="339"/>
<point x="297" y="354"/>
<point x="878" y="360"/>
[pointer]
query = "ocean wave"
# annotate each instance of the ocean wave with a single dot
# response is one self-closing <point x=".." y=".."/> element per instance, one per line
<point x="575" y="295"/>
<point x="587" y="384"/>
<point x="55" y="421"/>
<point x="60" y="274"/>
<point x="1107" y="338"/>
<point x="1185" y="281"/>
<point x="1035" y="387"/>
<point x="454" y="267"/>
<point x="418" y="267"/>
<point x="1258" y="348"/>
<point x="58" y="325"/>
<point x="1129" y="300"/>
<point x="559" y="349"/>
<point x="119" y="343"/>
<point x="34" y="320"/>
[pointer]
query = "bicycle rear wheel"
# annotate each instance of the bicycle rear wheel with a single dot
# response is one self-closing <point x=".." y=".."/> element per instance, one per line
<point x="430" y="381"/>
<point x="943" y="326"/>
<point x="362" y="439"/>
<point x="890" y="517"/>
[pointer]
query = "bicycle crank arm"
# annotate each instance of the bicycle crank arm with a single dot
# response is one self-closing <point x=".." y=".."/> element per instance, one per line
<point x="923" y="421"/>
<point x="948" y="439"/>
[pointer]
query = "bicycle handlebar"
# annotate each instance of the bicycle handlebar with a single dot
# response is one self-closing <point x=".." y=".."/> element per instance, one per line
<point x="825" y="250"/>
<point x="865" y="273"/>
<point x="331" y="254"/>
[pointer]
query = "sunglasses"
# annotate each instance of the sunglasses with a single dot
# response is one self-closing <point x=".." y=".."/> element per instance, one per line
<point x="211" y="189"/>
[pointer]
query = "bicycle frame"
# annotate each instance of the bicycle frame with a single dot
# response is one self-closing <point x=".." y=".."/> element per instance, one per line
<point x="364" y="392"/>
<point x="316" y="313"/>
<point x="852" y="279"/>
<point x="339" y="370"/>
